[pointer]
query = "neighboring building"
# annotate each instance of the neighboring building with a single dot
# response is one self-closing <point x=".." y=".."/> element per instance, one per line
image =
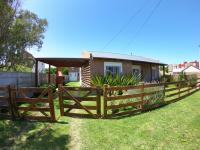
<point x="102" y="63"/>
<point x="191" y="70"/>
<point x="188" y="70"/>
<point x="73" y="73"/>
<point x="187" y="67"/>
<point x="28" y="58"/>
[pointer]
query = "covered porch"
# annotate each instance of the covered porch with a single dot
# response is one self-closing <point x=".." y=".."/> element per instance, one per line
<point x="59" y="62"/>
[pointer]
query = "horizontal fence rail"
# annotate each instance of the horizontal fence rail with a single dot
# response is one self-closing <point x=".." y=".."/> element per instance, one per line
<point x="127" y="100"/>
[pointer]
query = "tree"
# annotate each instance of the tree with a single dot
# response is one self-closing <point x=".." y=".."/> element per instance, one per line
<point x="53" y="70"/>
<point x="25" y="30"/>
<point x="65" y="71"/>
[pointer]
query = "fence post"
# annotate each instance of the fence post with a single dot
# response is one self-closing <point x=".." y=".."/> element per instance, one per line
<point x="188" y="84"/>
<point x="105" y="100"/>
<point x="51" y="104"/>
<point x="142" y="97"/>
<point x="10" y="103"/>
<point x="98" y="101"/>
<point x="179" y="89"/>
<point x="164" y="91"/>
<point x="16" y="114"/>
<point x="60" y="93"/>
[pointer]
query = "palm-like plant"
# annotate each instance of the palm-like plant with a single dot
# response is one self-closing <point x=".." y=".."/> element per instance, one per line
<point x="116" y="80"/>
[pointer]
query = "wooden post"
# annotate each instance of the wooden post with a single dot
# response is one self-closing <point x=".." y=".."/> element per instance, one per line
<point x="164" y="91"/>
<point x="11" y="106"/>
<point x="51" y="104"/>
<point x="105" y="100"/>
<point x="151" y="72"/>
<point x="163" y="72"/>
<point x="188" y="84"/>
<point x="16" y="113"/>
<point x="142" y="97"/>
<point x="36" y="73"/>
<point x="49" y="74"/>
<point x="98" y="92"/>
<point x="179" y="89"/>
<point x="60" y="95"/>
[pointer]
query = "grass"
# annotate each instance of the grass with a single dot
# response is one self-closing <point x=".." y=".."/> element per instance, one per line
<point x="175" y="126"/>
<point x="35" y="135"/>
<point x="73" y="84"/>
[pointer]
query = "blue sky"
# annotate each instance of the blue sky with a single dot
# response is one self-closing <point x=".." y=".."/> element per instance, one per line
<point x="172" y="34"/>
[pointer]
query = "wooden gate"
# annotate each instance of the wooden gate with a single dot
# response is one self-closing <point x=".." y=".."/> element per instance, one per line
<point x="33" y="103"/>
<point x="84" y="102"/>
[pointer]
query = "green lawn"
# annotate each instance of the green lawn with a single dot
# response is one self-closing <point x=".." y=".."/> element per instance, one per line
<point x="175" y="126"/>
<point x="35" y="135"/>
<point x="73" y="84"/>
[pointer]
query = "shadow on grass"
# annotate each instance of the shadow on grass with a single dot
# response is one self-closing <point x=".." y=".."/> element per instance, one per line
<point x="32" y="135"/>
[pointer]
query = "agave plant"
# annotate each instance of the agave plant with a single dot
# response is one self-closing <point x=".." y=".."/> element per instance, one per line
<point x="116" y="80"/>
<point x="98" y="80"/>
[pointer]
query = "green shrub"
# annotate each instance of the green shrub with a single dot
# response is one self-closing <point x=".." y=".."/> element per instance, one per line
<point x="192" y="79"/>
<point x="155" y="99"/>
<point x="168" y="78"/>
<point x="53" y="86"/>
<point x="117" y="80"/>
<point x="181" y="76"/>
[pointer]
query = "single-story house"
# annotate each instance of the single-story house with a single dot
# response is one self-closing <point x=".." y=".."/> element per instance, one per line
<point x="101" y="63"/>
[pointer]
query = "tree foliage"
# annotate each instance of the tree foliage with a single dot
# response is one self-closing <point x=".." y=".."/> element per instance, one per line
<point x="53" y="70"/>
<point x="20" y="30"/>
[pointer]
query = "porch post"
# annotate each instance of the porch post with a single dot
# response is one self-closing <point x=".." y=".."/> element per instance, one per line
<point x="163" y="71"/>
<point x="151" y="72"/>
<point x="49" y="74"/>
<point x="36" y="73"/>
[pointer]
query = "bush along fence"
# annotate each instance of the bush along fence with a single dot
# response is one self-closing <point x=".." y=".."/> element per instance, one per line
<point x="37" y="103"/>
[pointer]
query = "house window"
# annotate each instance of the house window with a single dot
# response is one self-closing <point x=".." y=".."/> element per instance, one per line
<point x="112" y="68"/>
<point x="136" y="70"/>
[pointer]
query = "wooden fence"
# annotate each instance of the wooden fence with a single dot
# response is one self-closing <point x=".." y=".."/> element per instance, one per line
<point x="30" y="103"/>
<point x="127" y="100"/>
<point x="85" y="99"/>
<point x="34" y="103"/>
<point x="38" y="106"/>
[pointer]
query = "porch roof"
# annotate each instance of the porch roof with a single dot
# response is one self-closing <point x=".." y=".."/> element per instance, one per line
<point x="65" y="62"/>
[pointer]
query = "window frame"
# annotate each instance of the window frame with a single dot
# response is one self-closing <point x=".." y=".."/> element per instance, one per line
<point x="112" y="64"/>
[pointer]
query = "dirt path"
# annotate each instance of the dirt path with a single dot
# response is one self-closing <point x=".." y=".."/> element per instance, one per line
<point x="75" y="128"/>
